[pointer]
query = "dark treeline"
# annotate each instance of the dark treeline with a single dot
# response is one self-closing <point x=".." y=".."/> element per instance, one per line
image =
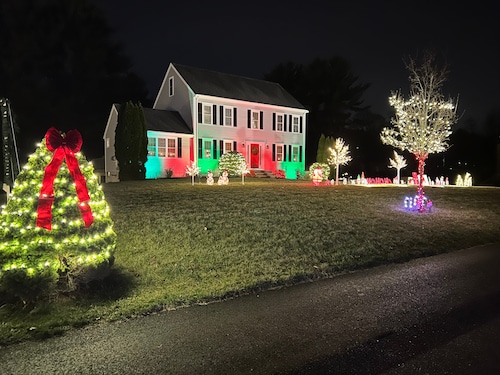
<point x="59" y="67"/>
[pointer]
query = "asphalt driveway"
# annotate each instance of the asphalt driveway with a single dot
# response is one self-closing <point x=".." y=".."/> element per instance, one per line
<point x="437" y="315"/>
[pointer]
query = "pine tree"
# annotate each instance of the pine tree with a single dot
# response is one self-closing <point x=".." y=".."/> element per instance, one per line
<point x="320" y="155"/>
<point x="34" y="259"/>
<point x="233" y="162"/>
<point x="131" y="142"/>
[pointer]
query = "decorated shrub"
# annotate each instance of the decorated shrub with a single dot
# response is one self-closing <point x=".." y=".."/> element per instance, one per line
<point x="233" y="162"/>
<point x="55" y="231"/>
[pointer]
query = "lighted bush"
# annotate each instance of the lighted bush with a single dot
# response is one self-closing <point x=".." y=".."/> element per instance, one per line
<point x="232" y="162"/>
<point x="32" y="259"/>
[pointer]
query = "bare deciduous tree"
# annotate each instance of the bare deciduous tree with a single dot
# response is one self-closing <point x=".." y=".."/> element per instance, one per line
<point x="422" y="123"/>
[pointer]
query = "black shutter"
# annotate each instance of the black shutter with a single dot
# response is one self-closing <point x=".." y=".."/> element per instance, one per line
<point x="289" y="152"/>
<point x="284" y="152"/>
<point x="200" y="148"/>
<point x="179" y="147"/>
<point x="215" y="149"/>
<point x="290" y="125"/>
<point x="235" y="117"/>
<point x="274" y="152"/>
<point x="274" y="122"/>
<point x="285" y="118"/>
<point x="301" y="124"/>
<point x="214" y="114"/>
<point x="249" y="119"/>
<point x="221" y="115"/>
<point x="300" y="154"/>
<point x="221" y="147"/>
<point x="200" y="113"/>
<point x="235" y="146"/>
<point x="261" y="120"/>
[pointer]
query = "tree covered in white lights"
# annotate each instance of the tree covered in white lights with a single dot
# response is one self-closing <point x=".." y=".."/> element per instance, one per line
<point x="33" y="259"/>
<point x="339" y="155"/>
<point x="399" y="162"/>
<point x="422" y="123"/>
<point x="192" y="170"/>
<point x="233" y="162"/>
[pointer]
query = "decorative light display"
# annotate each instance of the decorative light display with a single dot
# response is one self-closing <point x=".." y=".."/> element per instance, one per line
<point x="223" y="178"/>
<point x="399" y="163"/>
<point x="319" y="172"/>
<point x="67" y="245"/>
<point x="339" y="155"/>
<point x="422" y="123"/>
<point x="192" y="170"/>
<point x="413" y="204"/>
<point x="210" y="178"/>
<point x="465" y="181"/>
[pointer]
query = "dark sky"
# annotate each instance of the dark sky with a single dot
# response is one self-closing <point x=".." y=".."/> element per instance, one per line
<point x="251" y="38"/>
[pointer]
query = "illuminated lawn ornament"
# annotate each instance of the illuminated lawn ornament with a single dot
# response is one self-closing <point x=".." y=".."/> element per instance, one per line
<point x="193" y="171"/>
<point x="210" y="178"/>
<point x="223" y="178"/>
<point x="413" y="204"/>
<point x="72" y="252"/>
<point x="319" y="172"/>
<point x="399" y="163"/>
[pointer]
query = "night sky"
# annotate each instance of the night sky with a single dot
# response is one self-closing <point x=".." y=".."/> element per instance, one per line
<point x="250" y="39"/>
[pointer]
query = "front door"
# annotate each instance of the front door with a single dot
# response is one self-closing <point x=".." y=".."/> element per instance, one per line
<point x="254" y="155"/>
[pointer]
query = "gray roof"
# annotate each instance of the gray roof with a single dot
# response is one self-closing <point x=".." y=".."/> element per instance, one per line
<point x="207" y="82"/>
<point x="165" y="121"/>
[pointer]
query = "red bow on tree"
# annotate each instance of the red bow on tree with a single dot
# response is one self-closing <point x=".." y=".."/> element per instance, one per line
<point x="63" y="148"/>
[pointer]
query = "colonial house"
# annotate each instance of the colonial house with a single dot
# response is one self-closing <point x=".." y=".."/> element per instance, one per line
<point x="199" y="115"/>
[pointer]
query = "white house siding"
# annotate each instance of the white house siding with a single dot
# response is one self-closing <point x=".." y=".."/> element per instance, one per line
<point x="110" y="162"/>
<point x="180" y="101"/>
<point x="247" y="138"/>
<point x="157" y="166"/>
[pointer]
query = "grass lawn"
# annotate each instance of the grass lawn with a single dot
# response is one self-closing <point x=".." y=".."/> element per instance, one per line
<point x="180" y="244"/>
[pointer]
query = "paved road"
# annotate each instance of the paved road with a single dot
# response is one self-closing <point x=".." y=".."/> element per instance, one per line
<point x="438" y="315"/>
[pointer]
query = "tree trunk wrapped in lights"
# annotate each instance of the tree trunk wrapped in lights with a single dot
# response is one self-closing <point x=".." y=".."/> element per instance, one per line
<point x="422" y="124"/>
<point x="65" y="243"/>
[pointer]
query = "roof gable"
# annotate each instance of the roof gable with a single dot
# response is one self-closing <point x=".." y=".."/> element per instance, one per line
<point x="207" y="82"/>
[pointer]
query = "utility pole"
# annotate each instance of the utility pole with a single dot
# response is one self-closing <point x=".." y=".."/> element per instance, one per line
<point x="10" y="153"/>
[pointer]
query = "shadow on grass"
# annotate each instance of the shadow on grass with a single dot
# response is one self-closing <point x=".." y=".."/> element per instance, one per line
<point x="118" y="284"/>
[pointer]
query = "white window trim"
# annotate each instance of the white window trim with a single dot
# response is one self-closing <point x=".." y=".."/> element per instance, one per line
<point x="175" y="148"/>
<point x="282" y="115"/>
<point x="293" y="124"/>
<point x="257" y="122"/>
<point x="297" y="149"/>
<point x="282" y="151"/>
<point x="210" y="106"/>
<point x="151" y="151"/>
<point x="231" y="110"/>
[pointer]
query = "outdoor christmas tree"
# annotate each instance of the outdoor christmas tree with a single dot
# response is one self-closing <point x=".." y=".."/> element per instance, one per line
<point x="56" y="228"/>
<point x="339" y="155"/>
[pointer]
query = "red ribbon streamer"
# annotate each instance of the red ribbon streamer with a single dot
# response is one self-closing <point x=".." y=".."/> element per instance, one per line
<point x="64" y="148"/>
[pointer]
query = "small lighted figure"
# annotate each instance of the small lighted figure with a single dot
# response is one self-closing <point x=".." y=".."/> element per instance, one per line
<point x="210" y="178"/>
<point x="223" y="179"/>
<point x="317" y="176"/>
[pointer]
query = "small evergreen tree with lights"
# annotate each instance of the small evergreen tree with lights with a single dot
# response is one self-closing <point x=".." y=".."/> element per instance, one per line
<point x="233" y="162"/>
<point x="36" y="261"/>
